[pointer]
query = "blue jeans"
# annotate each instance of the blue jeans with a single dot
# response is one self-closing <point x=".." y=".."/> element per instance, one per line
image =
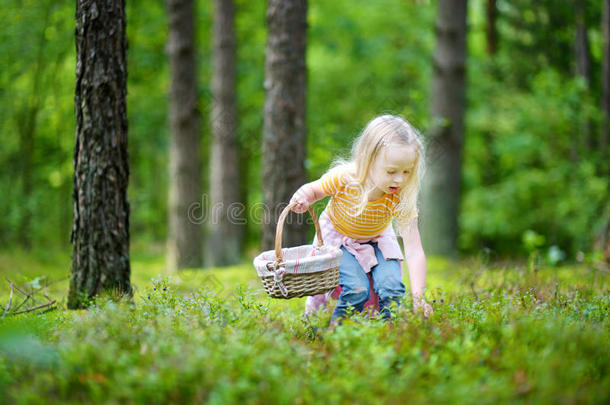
<point x="353" y="280"/>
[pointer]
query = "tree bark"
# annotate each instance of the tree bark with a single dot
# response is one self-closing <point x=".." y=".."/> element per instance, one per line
<point x="441" y="189"/>
<point x="184" y="242"/>
<point x="603" y="140"/>
<point x="581" y="46"/>
<point x="226" y="228"/>
<point x="491" y="29"/>
<point x="284" y="124"/>
<point x="582" y="54"/>
<point x="100" y="232"/>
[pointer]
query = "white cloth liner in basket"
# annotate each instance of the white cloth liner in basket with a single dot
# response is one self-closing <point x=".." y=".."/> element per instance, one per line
<point x="302" y="259"/>
<point x="306" y="259"/>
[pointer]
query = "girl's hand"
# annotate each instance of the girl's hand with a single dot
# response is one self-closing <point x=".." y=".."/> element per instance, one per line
<point x="301" y="200"/>
<point x="300" y="206"/>
<point x="306" y="195"/>
<point x="419" y="304"/>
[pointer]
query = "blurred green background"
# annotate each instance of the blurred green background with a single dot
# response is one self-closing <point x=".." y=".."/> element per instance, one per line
<point x="515" y="320"/>
<point x="533" y="174"/>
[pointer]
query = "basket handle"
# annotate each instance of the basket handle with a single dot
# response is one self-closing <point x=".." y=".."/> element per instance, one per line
<point x="280" y="228"/>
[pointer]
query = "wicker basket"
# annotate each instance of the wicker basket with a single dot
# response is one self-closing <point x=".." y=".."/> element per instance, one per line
<point x="299" y="271"/>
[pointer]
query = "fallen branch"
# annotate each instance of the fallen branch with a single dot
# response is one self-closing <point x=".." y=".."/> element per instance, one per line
<point x="28" y="295"/>
<point x="48" y="304"/>
<point x="8" y="304"/>
<point x="23" y="303"/>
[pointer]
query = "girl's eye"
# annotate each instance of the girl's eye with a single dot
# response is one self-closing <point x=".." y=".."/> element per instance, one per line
<point x="391" y="172"/>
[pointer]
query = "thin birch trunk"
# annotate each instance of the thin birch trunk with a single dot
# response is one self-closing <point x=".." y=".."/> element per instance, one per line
<point x="226" y="227"/>
<point x="184" y="242"/>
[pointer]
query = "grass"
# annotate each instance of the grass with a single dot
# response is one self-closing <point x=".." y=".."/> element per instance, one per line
<point x="501" y="333"/>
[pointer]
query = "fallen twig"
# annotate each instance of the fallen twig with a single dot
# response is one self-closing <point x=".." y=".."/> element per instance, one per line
<point x="28" y="295"/>
<point x="22" y="303"/>
<point x="34" y="308"/>
<point x="8" y="304"/>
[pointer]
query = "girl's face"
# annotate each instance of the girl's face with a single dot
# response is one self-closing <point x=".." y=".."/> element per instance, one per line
<point x="392" y="169"/>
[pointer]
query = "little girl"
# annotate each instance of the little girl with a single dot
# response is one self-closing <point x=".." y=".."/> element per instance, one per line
<point x="380" y="182"/>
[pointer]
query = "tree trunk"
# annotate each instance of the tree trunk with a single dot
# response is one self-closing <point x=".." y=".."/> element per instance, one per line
<point x="491" y="29"/>
<point x="441" y="190"/>
<point x="100" y="232"/>
<point x="603" y="140"/>
<point x="581" y="46"/>
<point x="284" y="126"/>
<point x="184" y="243"/>
<point x="226" y="227"/>
<point x="582" y="54"/>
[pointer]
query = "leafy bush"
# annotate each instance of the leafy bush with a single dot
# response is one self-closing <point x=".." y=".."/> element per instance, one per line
<point x="503" y="335"/>
<point x="529" y="167"/>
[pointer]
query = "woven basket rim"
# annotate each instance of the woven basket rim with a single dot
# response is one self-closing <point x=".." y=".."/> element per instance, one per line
<point x="328" y="255"/>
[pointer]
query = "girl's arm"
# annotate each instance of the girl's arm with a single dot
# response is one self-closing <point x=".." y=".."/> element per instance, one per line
<point x="416" y="262"/>
<point x="306" y="195"/>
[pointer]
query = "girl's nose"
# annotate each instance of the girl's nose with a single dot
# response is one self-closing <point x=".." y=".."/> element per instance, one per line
<point x="399" y="178"/>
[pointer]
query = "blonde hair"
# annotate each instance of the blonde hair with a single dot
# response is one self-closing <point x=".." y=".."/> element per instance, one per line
<point x="381" y="132"/>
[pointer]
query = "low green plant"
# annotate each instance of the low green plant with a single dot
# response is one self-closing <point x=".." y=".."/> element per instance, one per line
<point x="499" y="334"/>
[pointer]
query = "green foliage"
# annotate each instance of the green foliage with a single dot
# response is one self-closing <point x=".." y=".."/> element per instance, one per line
<point x="372" y="58"/>
<point x="498" y="335"/>
<point x="531" y="158"/>
<point x="148" y="84"/>
<point x="538" y="34"/>
<point x="530" y="166"/>
<point x="37" y="97"/>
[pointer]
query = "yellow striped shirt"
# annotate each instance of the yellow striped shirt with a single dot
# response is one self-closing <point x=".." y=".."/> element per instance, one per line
<point x="343" y="206"/>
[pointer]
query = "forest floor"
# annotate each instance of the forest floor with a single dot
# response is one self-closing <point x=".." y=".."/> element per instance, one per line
<point x="501" y="333"/>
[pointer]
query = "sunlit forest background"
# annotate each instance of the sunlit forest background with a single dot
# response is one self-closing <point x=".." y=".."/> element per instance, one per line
<point x="520" y="306"/>
<point x="532" y="168"/>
